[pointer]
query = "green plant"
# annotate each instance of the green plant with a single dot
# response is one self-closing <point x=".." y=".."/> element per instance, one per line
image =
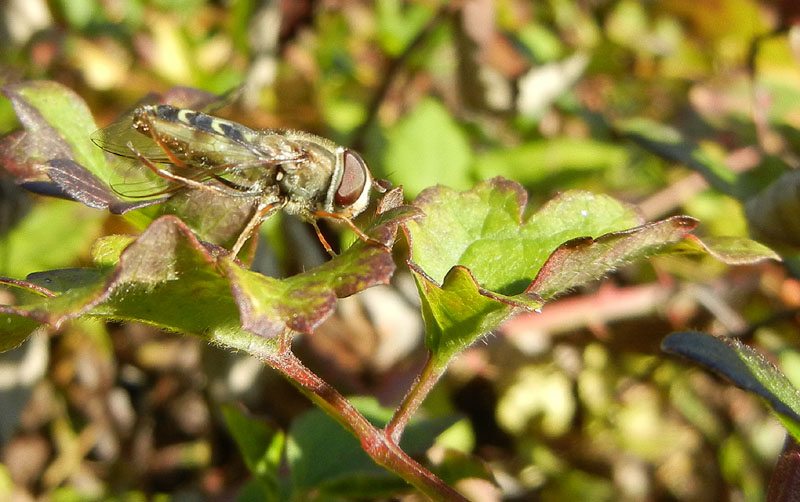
<point x="478" y="258"/>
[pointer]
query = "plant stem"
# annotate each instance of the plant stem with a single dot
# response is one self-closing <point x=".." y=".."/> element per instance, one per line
<point x="422" y="386"/>
<point x="378" y="445"/>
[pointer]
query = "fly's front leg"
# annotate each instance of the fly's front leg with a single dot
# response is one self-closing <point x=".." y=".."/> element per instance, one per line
<point x="347" y="221"/>
<point x="322" y="238"/>
<point x="263" y="211"/>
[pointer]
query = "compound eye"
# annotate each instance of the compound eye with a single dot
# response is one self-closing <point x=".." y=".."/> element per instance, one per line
<point x="354" y="178"/>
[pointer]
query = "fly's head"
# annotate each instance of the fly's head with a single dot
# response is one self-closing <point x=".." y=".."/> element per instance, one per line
<point x="350" y="184"/>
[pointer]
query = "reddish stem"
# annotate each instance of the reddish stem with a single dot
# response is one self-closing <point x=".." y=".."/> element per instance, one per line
<point x="422" y="386"/>
<point x="376" y="442"/>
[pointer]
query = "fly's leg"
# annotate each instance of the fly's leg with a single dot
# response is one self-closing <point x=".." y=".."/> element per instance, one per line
<point x="175" y="177"/>
<point x="230" y="188"/>
<point x="360" y="233"/>
<point x="170" y="154"/>
<point x="322" y="239"/>
<point x="262" y="212"/>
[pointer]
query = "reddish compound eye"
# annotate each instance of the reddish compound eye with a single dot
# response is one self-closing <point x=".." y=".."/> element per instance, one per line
<point x="354" y="178"/>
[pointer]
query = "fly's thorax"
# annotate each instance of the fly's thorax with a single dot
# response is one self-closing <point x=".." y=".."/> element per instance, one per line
<point x="347" y="180"/>
<point x="305" y="182"/>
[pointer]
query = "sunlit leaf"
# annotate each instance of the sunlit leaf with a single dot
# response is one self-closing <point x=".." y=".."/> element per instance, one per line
<point x="268" y="306"/>
<point x="474" y="258"/>
<point x="166" y="277"/>
<point x="583" y="259"/>
<point x="54" y="234"/>
<point x="482" y="229"/>
<point x="477" y="262"/>
<point x="729" y="249"/>
<point x="399" y="22"/>
<point x="57" y="123"/>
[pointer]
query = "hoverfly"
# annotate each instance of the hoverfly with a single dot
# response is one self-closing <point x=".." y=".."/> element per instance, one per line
<point x="303" y="174"/>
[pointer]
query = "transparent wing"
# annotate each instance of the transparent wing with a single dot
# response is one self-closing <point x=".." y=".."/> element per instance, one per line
<point x="202" y="101"/>
<point x="115" y="138"/>
<point x="132" y="180"/>
<point x="193" y="148"/>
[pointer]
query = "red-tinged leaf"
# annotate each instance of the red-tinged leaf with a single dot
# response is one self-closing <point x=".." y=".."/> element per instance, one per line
<point x="486" y="257"/>
<point x="168" y="278"/>
<point x="269" y="306"/>
<point x="784" y="484"/>
<point x="477" y="262"/>
<point x="165" y="277"/>
<point x="57" y="125"/>
<point x="79" y="184"/>
<point x="583" y="259"/>
<point x="25" y="155"/>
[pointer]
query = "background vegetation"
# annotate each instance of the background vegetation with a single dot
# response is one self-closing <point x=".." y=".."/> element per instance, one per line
<point x="679" y="107"/>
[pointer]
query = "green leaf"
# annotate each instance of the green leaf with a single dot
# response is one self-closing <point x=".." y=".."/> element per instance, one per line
<point x="261" y="447"/>
<point x="15" y="327"/>
<point x="457" y="465"/>
<point x="398" y="24"/>
<point x="54" y="234"/>
<point x="253" y="491"/>
<point x="79" y="13"/>
<point x="107" y="250"/>
<point x="459" y="311"/>
<point x="476" y="262"/>
<point x="477" y="247"/>
<point x="544" y="45"/>
<point x="426" y="147"/>
<point x="323" y="456"/>
<point x="482" y="229"/>
<point x="745" y="367"/>
<point x="63" y="280"/>
<point x="728" y="249"/>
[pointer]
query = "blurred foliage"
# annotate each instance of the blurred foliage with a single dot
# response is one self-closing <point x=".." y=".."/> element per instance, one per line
<point x="576" y="403"/>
